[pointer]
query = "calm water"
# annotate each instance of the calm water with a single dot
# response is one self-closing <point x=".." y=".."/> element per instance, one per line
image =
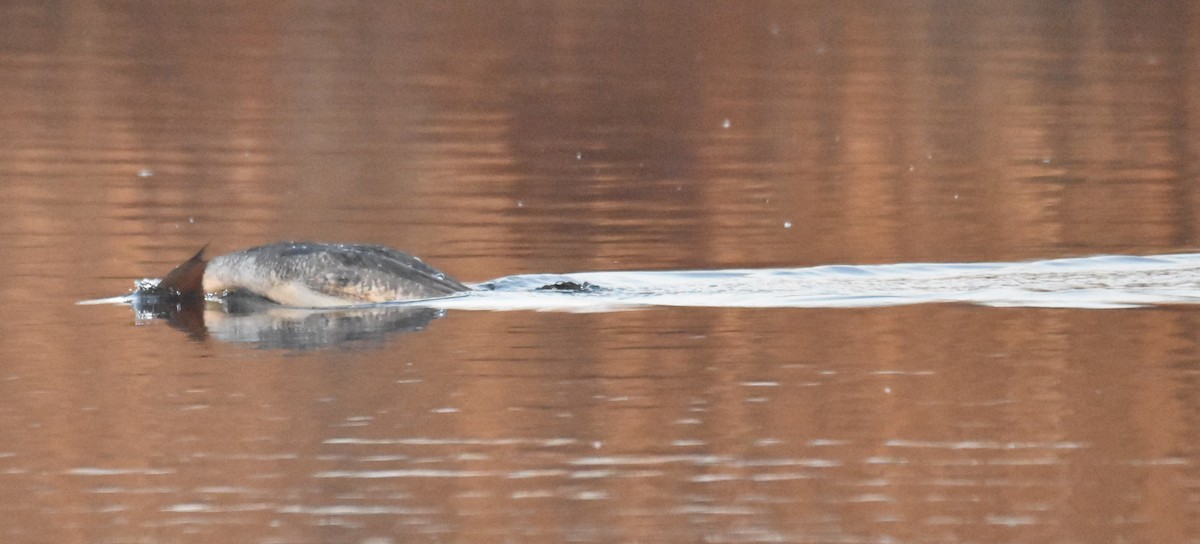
<point x="501" y="139"/>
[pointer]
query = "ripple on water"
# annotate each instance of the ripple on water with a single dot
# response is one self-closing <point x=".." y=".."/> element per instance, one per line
<point x="1090" y="282"/>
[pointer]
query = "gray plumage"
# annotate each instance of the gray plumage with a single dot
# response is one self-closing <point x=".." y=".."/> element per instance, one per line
<point x="316" y="274"/>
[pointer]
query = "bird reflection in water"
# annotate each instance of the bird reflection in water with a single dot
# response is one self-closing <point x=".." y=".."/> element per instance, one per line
<point x="242" y="317"/>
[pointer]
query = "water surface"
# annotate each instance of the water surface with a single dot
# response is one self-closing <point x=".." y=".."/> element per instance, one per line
<point x="498" y="140"/>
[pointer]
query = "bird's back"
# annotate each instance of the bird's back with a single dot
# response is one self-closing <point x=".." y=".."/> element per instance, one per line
<point x="317" y="274"/>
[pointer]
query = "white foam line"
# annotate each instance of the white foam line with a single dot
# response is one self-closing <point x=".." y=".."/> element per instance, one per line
<point x="123" y="299"/>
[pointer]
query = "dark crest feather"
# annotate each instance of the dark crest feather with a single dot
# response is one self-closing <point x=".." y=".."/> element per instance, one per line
<point x="188" y="278"/>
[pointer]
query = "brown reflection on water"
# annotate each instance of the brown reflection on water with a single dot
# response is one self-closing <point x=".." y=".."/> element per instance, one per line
<point x="671" y="425"/>
<point x="581" y="136"/>
<point x="532" y="137"/>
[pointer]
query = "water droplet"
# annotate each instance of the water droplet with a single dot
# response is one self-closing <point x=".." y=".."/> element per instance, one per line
<point x="787" y="224"/>
<point x="726" y="124"/>
<point x="578" y="155"/>
<point x="145" y="173"/>
<point x="520" y="203"/>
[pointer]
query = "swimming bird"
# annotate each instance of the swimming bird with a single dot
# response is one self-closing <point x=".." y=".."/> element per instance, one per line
<point x="310" y="274"/>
